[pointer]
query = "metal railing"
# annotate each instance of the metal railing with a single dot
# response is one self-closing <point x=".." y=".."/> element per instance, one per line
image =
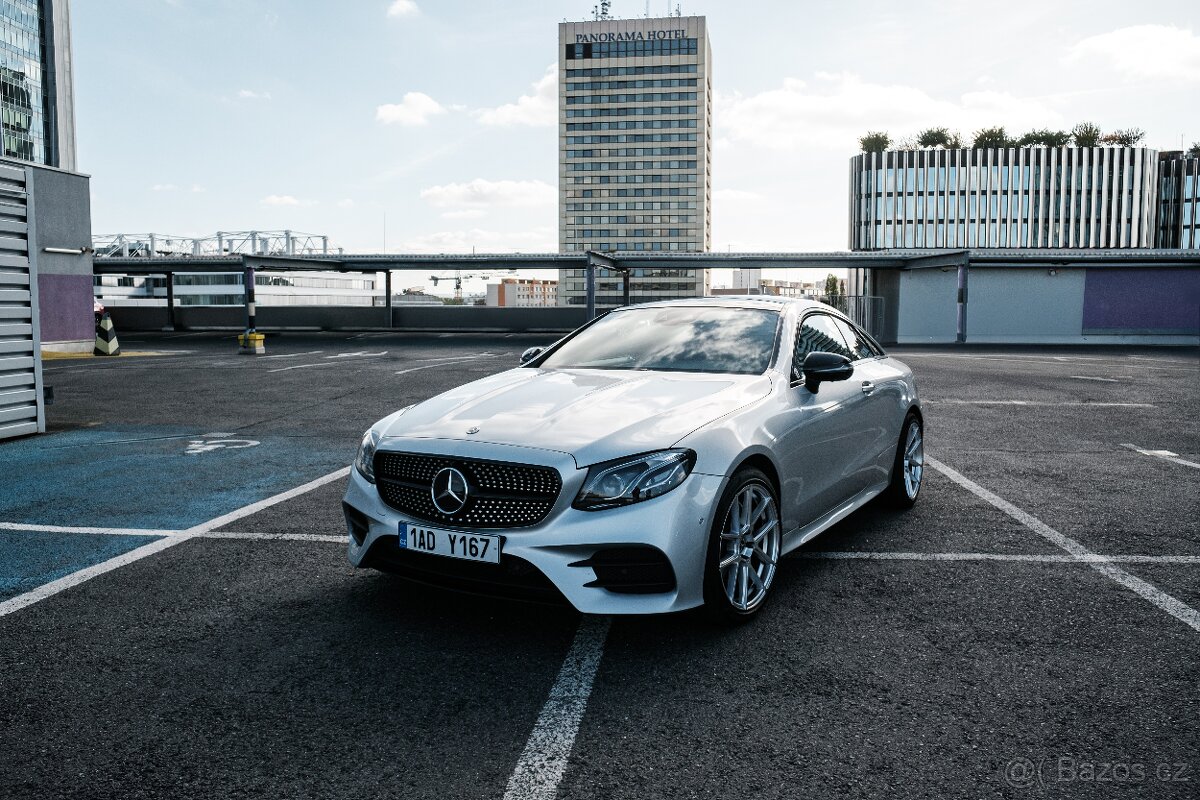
<point x="866" y="311"/>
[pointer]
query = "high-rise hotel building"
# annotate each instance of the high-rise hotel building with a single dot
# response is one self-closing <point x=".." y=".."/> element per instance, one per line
<point x="635" y="150"/>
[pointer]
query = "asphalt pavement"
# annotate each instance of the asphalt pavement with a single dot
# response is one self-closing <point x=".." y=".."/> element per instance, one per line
<point x="1006" y="638"/>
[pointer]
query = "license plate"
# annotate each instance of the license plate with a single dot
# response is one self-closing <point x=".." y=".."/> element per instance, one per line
<point x="470" y="546"/>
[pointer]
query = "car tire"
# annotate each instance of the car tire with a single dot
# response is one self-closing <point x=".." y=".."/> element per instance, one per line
<point x="908" y="467"/>
<point x="731" y="595"/>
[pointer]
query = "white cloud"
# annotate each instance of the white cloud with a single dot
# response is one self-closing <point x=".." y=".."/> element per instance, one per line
<point x="539" y="109"/>
<point x="532" y="240"/>
<point x="466" y="213"/>
<point x="197" y="188"/>
<point x="279" y="200"/>
<point x="482" y="193"/>
<point x="737" y="195"/>
<point x="249" y="94"/>
<point x="403" y="8"/>
<point x="1142" y="52"/>
<point x="345" y="203"/>
<point x="415" y="109"/>
<point x="163" y="187"/>
<point x="835" y="110"/>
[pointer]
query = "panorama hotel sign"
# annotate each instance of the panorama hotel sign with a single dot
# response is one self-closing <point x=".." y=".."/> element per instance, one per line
<point x="631" y="36"/>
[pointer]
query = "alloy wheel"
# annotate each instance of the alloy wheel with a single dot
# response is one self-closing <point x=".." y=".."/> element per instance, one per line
<point x="914" y="459"/>
<point x="750" y="545"/>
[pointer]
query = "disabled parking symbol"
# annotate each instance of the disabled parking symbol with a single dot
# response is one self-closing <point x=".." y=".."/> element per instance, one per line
<point x="215" y="441"/>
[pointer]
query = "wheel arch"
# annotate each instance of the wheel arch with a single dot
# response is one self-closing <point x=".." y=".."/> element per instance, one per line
<point x="764" y="464"/>
<point x="915" y="410"/>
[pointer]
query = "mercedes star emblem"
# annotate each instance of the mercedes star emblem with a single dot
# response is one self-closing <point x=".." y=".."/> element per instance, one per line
<point x="449" y="491"/>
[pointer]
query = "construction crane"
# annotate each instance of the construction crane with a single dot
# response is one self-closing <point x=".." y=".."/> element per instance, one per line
<point x="459" y="277"/>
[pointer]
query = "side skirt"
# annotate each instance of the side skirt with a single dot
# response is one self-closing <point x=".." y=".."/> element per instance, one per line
<point x="798" y="536"/>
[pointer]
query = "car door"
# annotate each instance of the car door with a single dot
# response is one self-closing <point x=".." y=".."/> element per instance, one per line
<point x="818" y="435"/>
<point x="882" y="413"/>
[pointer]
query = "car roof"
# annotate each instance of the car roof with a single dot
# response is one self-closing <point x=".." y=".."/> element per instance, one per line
<point x="739" y="301"/>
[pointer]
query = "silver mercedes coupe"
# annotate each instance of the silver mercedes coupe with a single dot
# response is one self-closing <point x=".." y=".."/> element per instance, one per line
<point x="662" y="457"/>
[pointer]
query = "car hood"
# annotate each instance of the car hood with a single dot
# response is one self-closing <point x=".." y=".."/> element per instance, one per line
<point x="594" y="415"/>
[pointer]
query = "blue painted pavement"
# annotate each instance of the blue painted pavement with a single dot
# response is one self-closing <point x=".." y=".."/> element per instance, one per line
<point x="143" y="477"/>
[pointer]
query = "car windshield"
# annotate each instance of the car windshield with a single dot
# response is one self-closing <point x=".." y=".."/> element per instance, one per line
<point x="674" y="339"/>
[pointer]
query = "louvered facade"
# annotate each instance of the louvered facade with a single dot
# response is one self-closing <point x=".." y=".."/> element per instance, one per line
<point x="1036" y="197"/>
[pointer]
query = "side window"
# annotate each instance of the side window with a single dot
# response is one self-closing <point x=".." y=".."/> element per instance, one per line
<point x="860" y="344"/>
<point x="819" y="333"/>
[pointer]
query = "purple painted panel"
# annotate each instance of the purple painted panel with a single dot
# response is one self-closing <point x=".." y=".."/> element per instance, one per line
<point x="65" y="306"/>
<point x="1141" y="301"/>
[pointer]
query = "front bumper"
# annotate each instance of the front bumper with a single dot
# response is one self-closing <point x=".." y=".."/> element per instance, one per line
<point x="677" y="524"/>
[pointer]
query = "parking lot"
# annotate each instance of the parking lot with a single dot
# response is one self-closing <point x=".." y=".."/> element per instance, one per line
<point x="178" y="616"/>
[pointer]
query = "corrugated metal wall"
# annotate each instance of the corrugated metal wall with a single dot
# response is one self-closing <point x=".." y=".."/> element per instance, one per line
<point x="21" y="409"/>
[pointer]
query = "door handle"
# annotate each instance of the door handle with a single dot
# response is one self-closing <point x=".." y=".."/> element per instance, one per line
<point x="868" y="387"/>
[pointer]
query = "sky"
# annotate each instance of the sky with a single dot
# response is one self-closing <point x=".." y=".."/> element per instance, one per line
<point x="429" y="125"/>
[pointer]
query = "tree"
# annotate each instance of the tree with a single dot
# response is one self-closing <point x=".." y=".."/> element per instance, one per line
<point x="833" y="286"/>
<point x="875" y="142"/>
<point x="1129" y="137"/>
<point x="1086" y="134"/>
<point x="991" y="137"/>
<point x="955" y="141"/>
<point x="1194" y="152"/>
<point x="1044" y="138"/>
<point x="934" y="137"/>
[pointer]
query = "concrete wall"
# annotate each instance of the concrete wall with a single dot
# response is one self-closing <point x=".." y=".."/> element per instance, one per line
<point x="1025" y="306"/>
<point x="1031" y="306"/>
<point x="62" y="217"/>
<point x="884" y="283"/>
<point x="928" y="310"/>
<point x="444" y="318"/>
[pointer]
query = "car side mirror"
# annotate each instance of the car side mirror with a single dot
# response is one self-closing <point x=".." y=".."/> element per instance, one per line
<point x="820" y="366"/>
<point x="531" y="354"/>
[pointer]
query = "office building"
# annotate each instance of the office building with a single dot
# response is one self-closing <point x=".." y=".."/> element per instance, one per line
<point x="747" y="279"/>
<point x="1032" y="244"/>
<point x="1030" y="197"/>
<point x="1178" y="201"/>
<point x="635" y="150"/>
<point x="522" y="293"/>
<point x="36" y="92"/>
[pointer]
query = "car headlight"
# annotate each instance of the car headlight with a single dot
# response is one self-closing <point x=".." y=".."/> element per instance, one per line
<point x="365" y="461"/>
<point x="634" y="479"/>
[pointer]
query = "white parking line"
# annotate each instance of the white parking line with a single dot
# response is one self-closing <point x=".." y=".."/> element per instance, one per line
<point x="1040" y="403"/>
<point x="544" y="760"/>
<point x="1050" y="361"/>
<point x="447" y="362"/>
<point x="23" y="526"/>
<point x="1051" y="558"/>
<point x="812" y="555"/>
<point x="337" y="360"/>
<point x="75" y="578"/>
<point x="1165" y="455"/>
<point x="294" y="355"/>
<point x="286" y="537"/>
<point x="1181" y="611"/>
<point x="1093" y="378"/>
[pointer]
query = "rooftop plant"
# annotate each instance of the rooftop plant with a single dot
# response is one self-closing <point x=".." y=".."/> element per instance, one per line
<point x="875" y="142"/>
<point x="1085" y="134"/>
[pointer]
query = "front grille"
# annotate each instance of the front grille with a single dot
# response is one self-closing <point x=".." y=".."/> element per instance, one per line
<point x="500" y="494"/>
